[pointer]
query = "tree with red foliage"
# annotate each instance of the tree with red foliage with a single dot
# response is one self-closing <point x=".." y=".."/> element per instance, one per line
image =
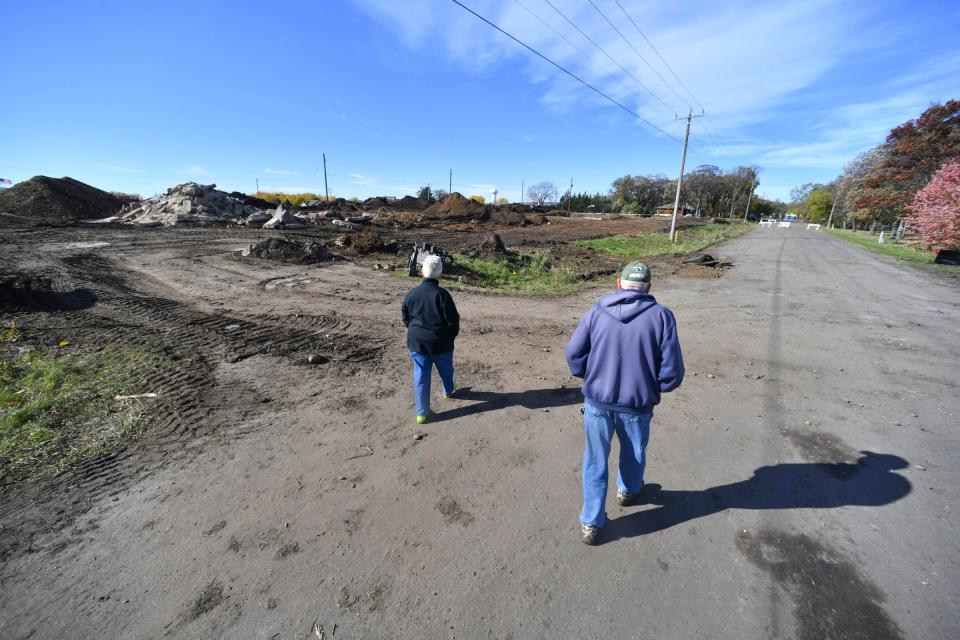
<point x="935" y="211"/>
<point x="913" y="152"/>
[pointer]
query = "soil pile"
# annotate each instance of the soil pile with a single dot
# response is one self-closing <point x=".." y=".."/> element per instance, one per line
<point x="409" y="203"/>
<point x="508" y="218"/>
<point x="54" y="201"/>
<point x="188" y="203"/>
<point x="363" y="242"/>
<point x="291" y="251"/>
<point x="376" y="202"/>
<point x="455" y="207"/>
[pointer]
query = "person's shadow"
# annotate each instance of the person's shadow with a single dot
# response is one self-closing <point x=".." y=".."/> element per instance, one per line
<point x="868" y="483"/>
<point x="491" y="400"/>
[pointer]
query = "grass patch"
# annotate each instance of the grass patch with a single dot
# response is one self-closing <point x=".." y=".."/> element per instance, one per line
<point x="658" y="244"/>
<point x="898" y="250"/>
<point x="535" y="274"/>
<point x="57" y="406"/>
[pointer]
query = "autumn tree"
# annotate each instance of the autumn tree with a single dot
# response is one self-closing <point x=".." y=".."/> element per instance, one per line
<point x="911" y="155"/>
<point x="934" y="213"/>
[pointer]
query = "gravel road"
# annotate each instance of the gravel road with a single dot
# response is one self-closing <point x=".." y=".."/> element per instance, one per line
<point x="807" y="467"/>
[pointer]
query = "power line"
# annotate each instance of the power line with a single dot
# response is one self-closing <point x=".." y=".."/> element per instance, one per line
<point x="639" y="55"/>
<point x="622" y="68"/>
<point x="565" y="38"/>
<point x="566" y="71"/>
<point x="716" y="134"/>
<point x="612" y="59"/>
<point x="645" y="39"/>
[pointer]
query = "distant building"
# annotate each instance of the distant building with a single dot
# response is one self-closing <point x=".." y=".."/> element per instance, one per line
<point x="683" y="210"/>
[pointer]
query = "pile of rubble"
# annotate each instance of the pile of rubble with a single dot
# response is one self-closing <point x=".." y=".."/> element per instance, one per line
<point x="190" y="203"/>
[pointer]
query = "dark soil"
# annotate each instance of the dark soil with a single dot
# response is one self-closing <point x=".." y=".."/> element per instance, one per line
<point x="291" y="251"/>
<point x="43" y="201"/>
<point x="365" y="242"/>
<point x="253" y="201"/>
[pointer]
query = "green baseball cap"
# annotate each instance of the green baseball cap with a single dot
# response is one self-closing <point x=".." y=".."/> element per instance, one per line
<point x="635" y="272"/>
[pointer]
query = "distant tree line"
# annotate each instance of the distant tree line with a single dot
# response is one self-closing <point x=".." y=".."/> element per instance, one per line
<point x="709" y="190"/>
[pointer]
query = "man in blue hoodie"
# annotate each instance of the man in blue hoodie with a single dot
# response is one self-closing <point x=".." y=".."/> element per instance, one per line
<point x="627" y="351"/>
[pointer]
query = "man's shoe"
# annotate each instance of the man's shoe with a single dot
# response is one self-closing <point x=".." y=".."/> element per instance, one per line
<point x="647" y="493"/>
<point x="452" y="391"/>
<point x="421" y="419"/>
<point x="589" y="534"/>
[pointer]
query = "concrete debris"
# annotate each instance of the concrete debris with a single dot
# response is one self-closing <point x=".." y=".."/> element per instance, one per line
<point x="258" y="217"/>
<point x="188" y="203"/>
<point x="348" y="225"/>
<point x="109" y="220"/>
<point x="283" y="219"/>
<point x="419" y="254"/>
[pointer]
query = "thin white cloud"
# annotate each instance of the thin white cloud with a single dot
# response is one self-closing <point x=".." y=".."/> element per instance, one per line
<point x="281" y="172"/>
<point x="360" y="179"/>
<point x="749" y="63"/>
<point x="196" y="169"/>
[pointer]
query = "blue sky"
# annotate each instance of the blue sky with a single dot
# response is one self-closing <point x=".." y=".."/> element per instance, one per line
<point x="139" y="96"/>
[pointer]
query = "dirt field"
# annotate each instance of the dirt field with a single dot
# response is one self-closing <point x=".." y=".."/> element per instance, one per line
<point x="808" y="464"/>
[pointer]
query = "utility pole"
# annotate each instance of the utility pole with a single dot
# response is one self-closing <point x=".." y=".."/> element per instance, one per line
<point x="683" y="161"/>
<point x="450" y="184"/>
<point x="570" y="195"/>
<point x="326" y="189"/>
<point x="749" y="197"/>
<point x="833" y="208"/>
<point x="258" y="187"/>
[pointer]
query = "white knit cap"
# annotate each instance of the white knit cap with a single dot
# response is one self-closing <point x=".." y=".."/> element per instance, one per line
<point x="432" y="267"/>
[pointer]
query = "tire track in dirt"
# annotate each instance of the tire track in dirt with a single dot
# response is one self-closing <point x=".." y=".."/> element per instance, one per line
<point x="41" y="296"/>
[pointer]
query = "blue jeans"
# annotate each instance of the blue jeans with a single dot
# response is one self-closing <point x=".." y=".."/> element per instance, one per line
<point x="633" y="431"/>
<point x="423" y="372"/>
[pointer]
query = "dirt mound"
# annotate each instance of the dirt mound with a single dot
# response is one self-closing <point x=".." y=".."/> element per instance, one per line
<point x="189" y="203"/>
<point x="409" y="203"/>
<point x="376" y="202"/>
<point x="54" y="201"/>
<point x="455" y="206"/>
<point x="291" y="251"/>
<point x="508" y="217"/>
<point x="363" y="242"/>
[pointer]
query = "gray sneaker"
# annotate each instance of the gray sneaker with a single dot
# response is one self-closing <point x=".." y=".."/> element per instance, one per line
<point x="647" y="493"/>
<point x="589" y="534"/>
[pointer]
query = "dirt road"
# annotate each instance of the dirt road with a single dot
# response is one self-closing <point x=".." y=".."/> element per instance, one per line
<point x="808" y="465"/>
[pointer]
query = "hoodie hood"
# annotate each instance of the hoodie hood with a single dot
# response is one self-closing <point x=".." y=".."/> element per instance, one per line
<point x="626" y="305"/>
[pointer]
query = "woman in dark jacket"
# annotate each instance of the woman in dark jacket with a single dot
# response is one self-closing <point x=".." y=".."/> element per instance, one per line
<point x="432" y="325"/>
